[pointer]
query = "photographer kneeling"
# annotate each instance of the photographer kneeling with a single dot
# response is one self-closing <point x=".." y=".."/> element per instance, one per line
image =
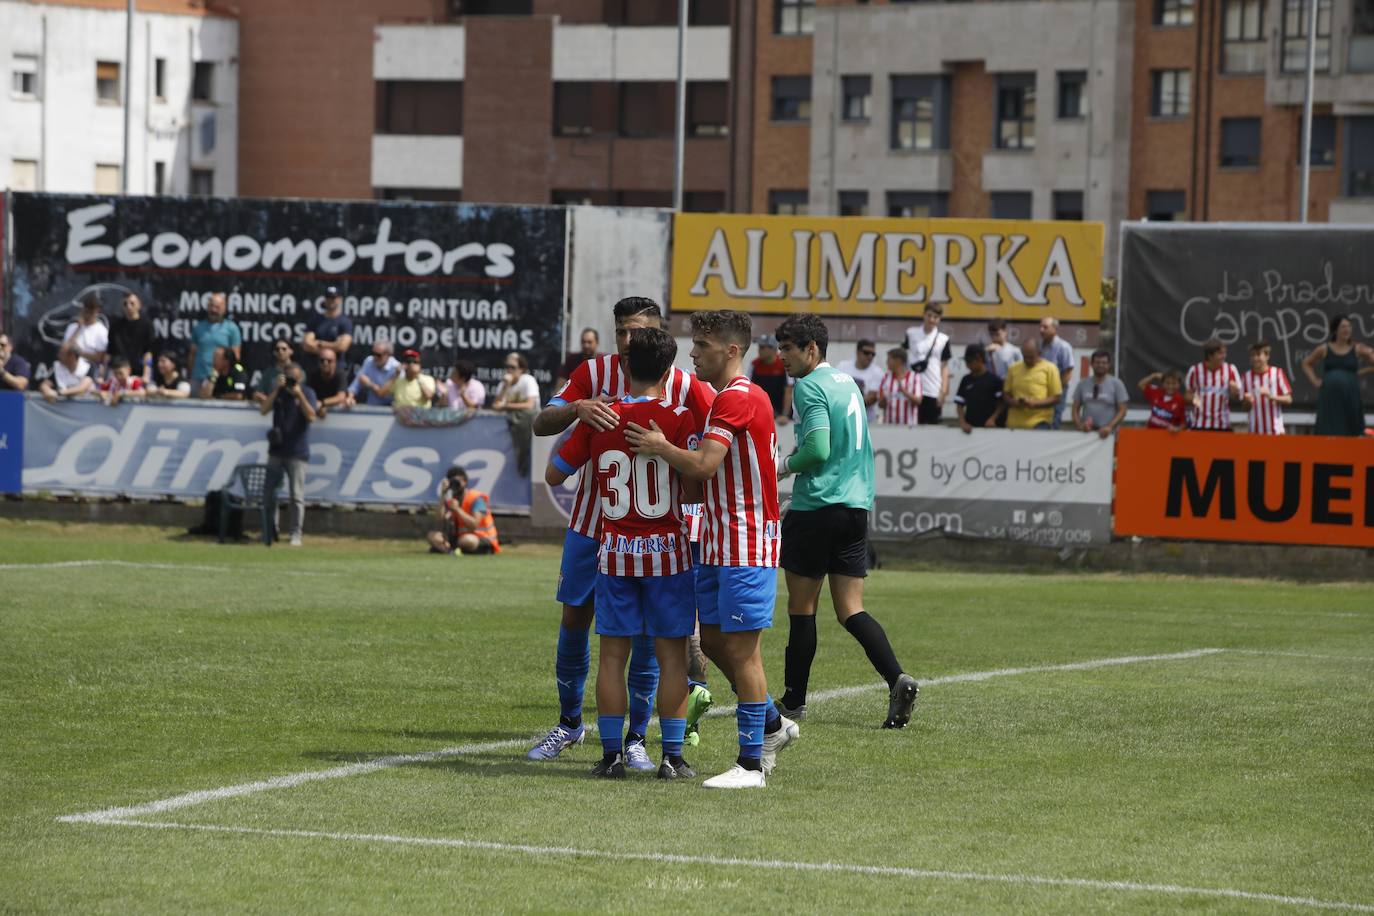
<point x="466" y="524"/>
<point x="293" y="407"/>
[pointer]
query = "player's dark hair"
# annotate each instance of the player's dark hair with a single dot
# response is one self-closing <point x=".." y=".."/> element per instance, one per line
<point x="1336" y="324"/>
<point x="456" y="473"/>
<point x="171" y="355"/>
<point x="725" y="325"/>
<point x="520" y="361"/>
<point x="593" y="332"/>
<point x="650" y="353"/>
<point x="1102" y="352"/>
<point x="1212" y="346"/>
<point x="975" y="351"/>
<point x="1172" y="374"/>
<point x="1259" y="347"/>
<point x="997" y="324"/>
<point x="864" y="342"/>
<point x="120" y="362"/>
<point x="464" y="369"/>
<point x="631" y="306"/>
<point x="804" y="330"/>
<point x="899" y="353"/>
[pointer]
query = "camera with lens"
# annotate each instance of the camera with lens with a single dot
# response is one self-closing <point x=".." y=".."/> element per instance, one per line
<point x="290" y="381"/>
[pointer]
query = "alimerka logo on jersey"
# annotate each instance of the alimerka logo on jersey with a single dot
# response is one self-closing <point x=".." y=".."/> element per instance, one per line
<point x="1297" y="490"/>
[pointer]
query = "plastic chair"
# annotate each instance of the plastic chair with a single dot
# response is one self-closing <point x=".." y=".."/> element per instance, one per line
<point x="259" y="483"/>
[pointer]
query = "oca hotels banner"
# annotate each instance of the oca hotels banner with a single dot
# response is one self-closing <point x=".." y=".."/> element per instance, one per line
<point x="851" y="267"/>
<point x="361" y="456"/>
<point x="1275" y="489"/>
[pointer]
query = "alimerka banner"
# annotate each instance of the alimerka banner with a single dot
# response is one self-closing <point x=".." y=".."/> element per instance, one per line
<point x="183" y="450"/>
<point x="451" y="280"/>
<point x="1182" y="284"/>
<point x="1218" y="487"/>
<point x="856" y="267"/>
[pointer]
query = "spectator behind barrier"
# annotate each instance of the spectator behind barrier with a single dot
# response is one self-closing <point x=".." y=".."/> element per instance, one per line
<point x="1164" y="393"/>
<point x="979" y="398"/>
<point x="132" y="337"/>
<point x="372" y="383"/>
<point x="88" y="335"/>
<point x="463" y="390"/>
<point x="519" y="397"/>
<point x="121" y="383"/>
<point x="590" y="343"/>
<point x="1056" y="350"/>
<point x="1340" y="411"/>
<point x="228" y="381"/>
<point x="1031" y="390"/>
<point x="1001" y="352"/>
<point x="413" y="387"/>
<point x="282" y="354"/>
<point x="71" y="376"/>
<point x="1265" y="391"/>
<point x="1211" y="386"/>
<point x="1099" y="403"/>
<point x="216" y="330"/>
<point x="292" y="405"/>
<point x="15" y="373"/>
<point x="866" y="373"/>
<point x="168" y="382"/>
<point x="465" y="520"/>
<point x="899" y="393"/>
<point x="768" y="372"/>
<point x="332" y="332"/>
<point x="929" y="354"/>
<point x="327" y="381"/>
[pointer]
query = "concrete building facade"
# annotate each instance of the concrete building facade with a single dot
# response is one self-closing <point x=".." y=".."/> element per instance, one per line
<point x="62" y="114"/>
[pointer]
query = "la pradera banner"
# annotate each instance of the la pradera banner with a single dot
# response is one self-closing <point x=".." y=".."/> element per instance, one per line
<point x="182" y="451"/>
<point x="451" y="280"/>
<point x="1182" y="285"/>
<point x="848" y="267"/>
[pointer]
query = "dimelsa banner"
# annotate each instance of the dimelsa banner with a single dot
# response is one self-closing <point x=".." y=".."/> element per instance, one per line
<point x="858" y="267"/>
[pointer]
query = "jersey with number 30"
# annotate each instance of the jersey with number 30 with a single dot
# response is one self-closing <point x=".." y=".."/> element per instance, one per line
<point x="641" y="531"/>
<point x="828" y="399"/>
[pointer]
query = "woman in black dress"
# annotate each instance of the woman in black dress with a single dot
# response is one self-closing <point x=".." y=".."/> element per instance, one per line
<point x="1339" y="411"/>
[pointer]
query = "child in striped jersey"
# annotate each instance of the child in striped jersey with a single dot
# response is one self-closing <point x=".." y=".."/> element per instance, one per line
<point x="1266" y="391"/>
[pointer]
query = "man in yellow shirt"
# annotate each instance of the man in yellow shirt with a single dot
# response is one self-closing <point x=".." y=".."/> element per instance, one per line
<point x="412" y="387"/>
<point x="1031" y="390"/>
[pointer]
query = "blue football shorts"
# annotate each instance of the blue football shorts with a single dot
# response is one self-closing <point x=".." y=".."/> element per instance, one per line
<point x="737" y="598"/>
<point x="645" y="605"/>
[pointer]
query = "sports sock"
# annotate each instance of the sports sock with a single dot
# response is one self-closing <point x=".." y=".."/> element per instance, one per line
<point x="749" y="717"/>
<point x="674" y="730"/>
<point x="611" y="728"/>
<point x="772" y="719"/>
<point x="800" y="653"/>
<point x="691" y="683"/>
<point x="570" y="667"/>
<point x="870" y="635"/>
<point x="643" y="683"/>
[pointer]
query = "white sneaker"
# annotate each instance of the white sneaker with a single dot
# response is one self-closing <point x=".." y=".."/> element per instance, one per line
<point x="775" y="742"/>
<point x="737" y="777"/>
<point x="295" y="540"/>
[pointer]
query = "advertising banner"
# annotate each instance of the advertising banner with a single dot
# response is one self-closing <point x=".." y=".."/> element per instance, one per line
<point x="1272" y="489"/>
<point x="451" y="280"/>
<point x="182" y="451"/>
<point x="1182" y="284"/>
<point x="854" y="267"/>
<point x="11" y="441"/>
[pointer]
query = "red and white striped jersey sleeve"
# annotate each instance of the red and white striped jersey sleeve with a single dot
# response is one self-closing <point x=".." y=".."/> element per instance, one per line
<point x="741" y="526"/>
<point x="686" y="390"/>
<point x="899" y="411"/>
<point x="1266" y="414"/>
<point x="593" y="378"/>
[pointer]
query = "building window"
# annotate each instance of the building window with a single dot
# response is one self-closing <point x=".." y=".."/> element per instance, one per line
<point x="853" y="203"/>
<point x="793" y="17"/>
<point x="24" y="175"/>
<point x="920" y="112"/>
<point x="1240" y="142"/>
<point x="706" y="12"/>
<point x="1016" y="111"/>
<point x="916" y="204"/>
<point x="1359" y="157"/>
<point x="788" y="203"/>
<point x="1073" y="95"/>
<point x="858" y="97"/>
<point x="1170" y="93"/>
<point x="203" y="82"/>
<point x="791" y="98"/>
<point x="1011" y="204"/>
<point x="1242" y="37"/>
<point x="159" y="178"/>
<point x="664" y="12"/>
<point x="419" y="108"/>
<point x="490" y="7"/>
<point x="1166" y="206"/>
<point x="1295" y="15"/>
<point x="107" y="82"/>
<point x="107" y="179"/>
<point x="1323" y="140"/>
<point x="582" y="198"/>
<point x="1173" y="12"/>
<point x="24" y="76"/>
<point x="1361" y="56"/>
<point x="708" y="109"/>
<point x="703" y="201"/>
<point x="444" y="195"/>
<point x="160" y="79"/>
<point x="648" y="110"/>
<point x="202" y="182"/>
<point x="584" y="109"/>
<point x="660" y="199"/>
<point x="1068" y="205"/>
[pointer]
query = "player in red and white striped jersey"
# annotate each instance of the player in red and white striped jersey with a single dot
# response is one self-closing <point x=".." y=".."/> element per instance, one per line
<point x="737" y="579"/>
<point x="585" y="399"/>
<point x="899" y="393"/>
<point x="1266" y="391"/>
<point x="1211" y="385"/>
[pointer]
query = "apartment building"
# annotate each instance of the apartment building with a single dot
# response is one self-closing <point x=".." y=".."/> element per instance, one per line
<point x="62" y="116"/>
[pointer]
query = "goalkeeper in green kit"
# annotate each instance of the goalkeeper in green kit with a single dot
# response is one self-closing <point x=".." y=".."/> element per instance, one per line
<point x="825" y="532"/>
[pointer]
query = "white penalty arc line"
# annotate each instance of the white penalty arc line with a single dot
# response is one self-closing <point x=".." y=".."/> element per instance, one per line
<point x="292" y="780"/>
<point x="886" y="871"/>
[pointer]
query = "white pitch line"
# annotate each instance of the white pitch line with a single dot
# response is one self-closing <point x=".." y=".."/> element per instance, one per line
<point x="885" y="871"/>
<point x="292" y="780"/>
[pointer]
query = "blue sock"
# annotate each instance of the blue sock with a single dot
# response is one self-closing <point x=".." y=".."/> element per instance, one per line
<point x="674" y="730"/>
<point x="772" y="720"/>
<point x="611" y="728"/>
<point x="570" y="667"/>
<point x="749" y="717"/>
<point x="691" y="683"/>
<point x="643" y="683"/>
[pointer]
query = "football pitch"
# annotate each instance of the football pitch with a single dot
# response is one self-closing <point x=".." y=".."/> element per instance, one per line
<point x="189" y="727"/>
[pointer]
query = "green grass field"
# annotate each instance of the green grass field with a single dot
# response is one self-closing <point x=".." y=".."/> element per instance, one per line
<point x="1215" y="782"/>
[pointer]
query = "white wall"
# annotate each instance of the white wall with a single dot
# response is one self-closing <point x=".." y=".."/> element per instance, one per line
<point x="602" y="52"/>
<point x="400" y="161"/>
<point x="419" y="52"/>
<point x="69" y="132"/>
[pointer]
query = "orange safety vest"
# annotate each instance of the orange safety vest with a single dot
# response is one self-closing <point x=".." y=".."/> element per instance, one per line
<point x="486" y="525"/>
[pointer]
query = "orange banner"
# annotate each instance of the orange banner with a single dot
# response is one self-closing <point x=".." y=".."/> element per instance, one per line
<point x="1220" y="487"/>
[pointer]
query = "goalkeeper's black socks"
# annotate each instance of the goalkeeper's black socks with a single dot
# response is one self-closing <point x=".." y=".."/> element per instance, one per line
<point x="800" y="653"/>
<point x="870" y="635"/>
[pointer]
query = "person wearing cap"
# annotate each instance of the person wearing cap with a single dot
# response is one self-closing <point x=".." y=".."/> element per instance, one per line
<point x="768" y="372"/>
<point x="412" y="387"/>
<point x="332" y="332"/>
<point x="88" y="336"/>
<point x="372" y="383"/>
